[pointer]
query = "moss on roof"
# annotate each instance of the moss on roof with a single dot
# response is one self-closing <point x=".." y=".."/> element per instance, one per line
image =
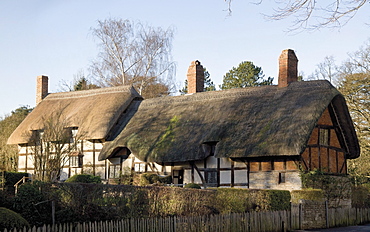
<point x="249" y="122"/>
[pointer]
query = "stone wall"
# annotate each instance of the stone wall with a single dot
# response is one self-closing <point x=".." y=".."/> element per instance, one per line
<point x="312" y="214"/>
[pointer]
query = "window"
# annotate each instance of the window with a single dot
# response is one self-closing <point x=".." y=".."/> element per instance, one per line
<point x="211" y="178"/>
<point x="114" y="171"/>
<point x="281" y="177"/>
<point x="139" y="167"/>
<point x="324" y="137"/>
<point x="76" y="160"/>
<point x="209" y="148"/>
<point x="71" y="134"/>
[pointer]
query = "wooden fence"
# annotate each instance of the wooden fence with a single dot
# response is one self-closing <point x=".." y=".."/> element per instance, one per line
<point x="249" y="222"/>
<point x="254" y="221"/>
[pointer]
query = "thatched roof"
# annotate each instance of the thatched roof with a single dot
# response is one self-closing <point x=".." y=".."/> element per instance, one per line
<point x="249" y="122"/>
<point x="94" y="112"/>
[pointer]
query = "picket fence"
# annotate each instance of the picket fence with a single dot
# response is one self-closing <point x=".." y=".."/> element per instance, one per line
<point x="275" y="221"/>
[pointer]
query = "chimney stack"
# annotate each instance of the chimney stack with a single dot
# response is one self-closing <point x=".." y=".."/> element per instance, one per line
<point x="41" y="88"/>
<point x="195" y="77"/>
<point x="288" y="68"/>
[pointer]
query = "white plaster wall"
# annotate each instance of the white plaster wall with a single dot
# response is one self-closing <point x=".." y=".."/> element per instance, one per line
<point x="224" y="162"/>
<point x="240" y="176"/>
<point x="225" y="177"/>
<point x="22" y="162"/>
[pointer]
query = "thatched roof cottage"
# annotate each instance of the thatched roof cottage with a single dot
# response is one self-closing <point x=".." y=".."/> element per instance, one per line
<point x="257" y="137"/>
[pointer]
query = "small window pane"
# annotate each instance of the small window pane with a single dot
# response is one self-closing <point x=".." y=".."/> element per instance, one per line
<point x="324" y="137"/>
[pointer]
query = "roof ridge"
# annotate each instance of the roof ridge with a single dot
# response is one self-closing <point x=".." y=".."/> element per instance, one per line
<point x="90" y="92"/>
<point x="209" y="95"/>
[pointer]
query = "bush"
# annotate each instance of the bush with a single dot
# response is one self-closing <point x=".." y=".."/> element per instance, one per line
<point x="192" y="185"/>
<point x="84" y="178"/>
<point x="31" y="202"/>
<point x="6" y="200"/>
<point x="10" y="219"/>
<point x="360" y="197"/>
<point x="307" y="194"/>
<point x="231" y="200"/>
<point x="152" y="178"/>
<point x="11" y="178"/>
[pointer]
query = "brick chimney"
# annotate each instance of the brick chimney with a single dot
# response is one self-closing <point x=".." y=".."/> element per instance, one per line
<point x="288" y="68"/>
<point x="195" y="77"/>
<point x="42" y="88"/>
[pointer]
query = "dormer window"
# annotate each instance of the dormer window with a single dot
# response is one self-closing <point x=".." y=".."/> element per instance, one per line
<point x="73" y="133"/>
<point x="209" y="148"/>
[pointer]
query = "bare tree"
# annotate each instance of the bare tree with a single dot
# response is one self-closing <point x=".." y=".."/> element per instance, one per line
<point x="311" y="14"/>
<point x="354" y="84"/>
<point x="134" y="54"/>
<point x="326" y="70"/>
<point x="52" y="146"/>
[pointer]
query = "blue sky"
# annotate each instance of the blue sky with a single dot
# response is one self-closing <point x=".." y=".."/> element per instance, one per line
<point x="47" y="37"/>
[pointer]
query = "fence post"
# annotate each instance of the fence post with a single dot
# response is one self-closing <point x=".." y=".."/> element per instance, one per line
<point x="327" y="213"/>
<point x="300" y="214"/>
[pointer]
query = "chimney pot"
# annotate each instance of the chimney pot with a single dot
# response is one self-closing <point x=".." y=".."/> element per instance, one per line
<point x="195" y="77"/>
<point x="288" y="68"/>
<point x="42" y="88"/>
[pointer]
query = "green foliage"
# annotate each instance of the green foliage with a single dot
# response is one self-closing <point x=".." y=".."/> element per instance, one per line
<point x="153" y="178"/>
<point x="32" y="203"/>
<point x="335" y="188"/>
<point x="83" y="84"/>
<point x="361" y="197"/>
<point x="269" y="200"/>
<point x="245" y="75"/>
<point x="192" y="185"/>
<point x="9" y="153"/>
<point x="307" y="194"/>
<point x="208" y="84"/>
<point x="84" y="178"/>
<point x="11" y="178"/>
<point x="6" y="199"/>
<point x="10" y="220"/>
<point x="78" y="202"/>
<point x="230" y="200"/>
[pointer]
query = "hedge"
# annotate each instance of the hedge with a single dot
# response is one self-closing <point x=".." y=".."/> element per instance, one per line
<point x="10" y="219"/>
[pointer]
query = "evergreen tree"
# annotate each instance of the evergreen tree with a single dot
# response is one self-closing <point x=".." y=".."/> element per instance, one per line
<point x="245" y="75"/>
<point x="9" y="153"/>
<point x="208" y="84"/>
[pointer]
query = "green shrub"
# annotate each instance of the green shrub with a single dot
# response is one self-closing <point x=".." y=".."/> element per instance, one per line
<point x="10" y="219"/>
<point x="6" y="199"/>
<point x="360" y="197"/>
<point x="152" y="178"/>
<point x="307" y="194"/>
<point x="11" y="178"/>
<point x="231" y="200"/>
<point x="192" y="185"/>
<point x="84" y="178"/>
<point x="234" y="200"/>
<point x="278" y="200"/>
<point x="31" y="202"/>
<point x="165" y="179"/>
